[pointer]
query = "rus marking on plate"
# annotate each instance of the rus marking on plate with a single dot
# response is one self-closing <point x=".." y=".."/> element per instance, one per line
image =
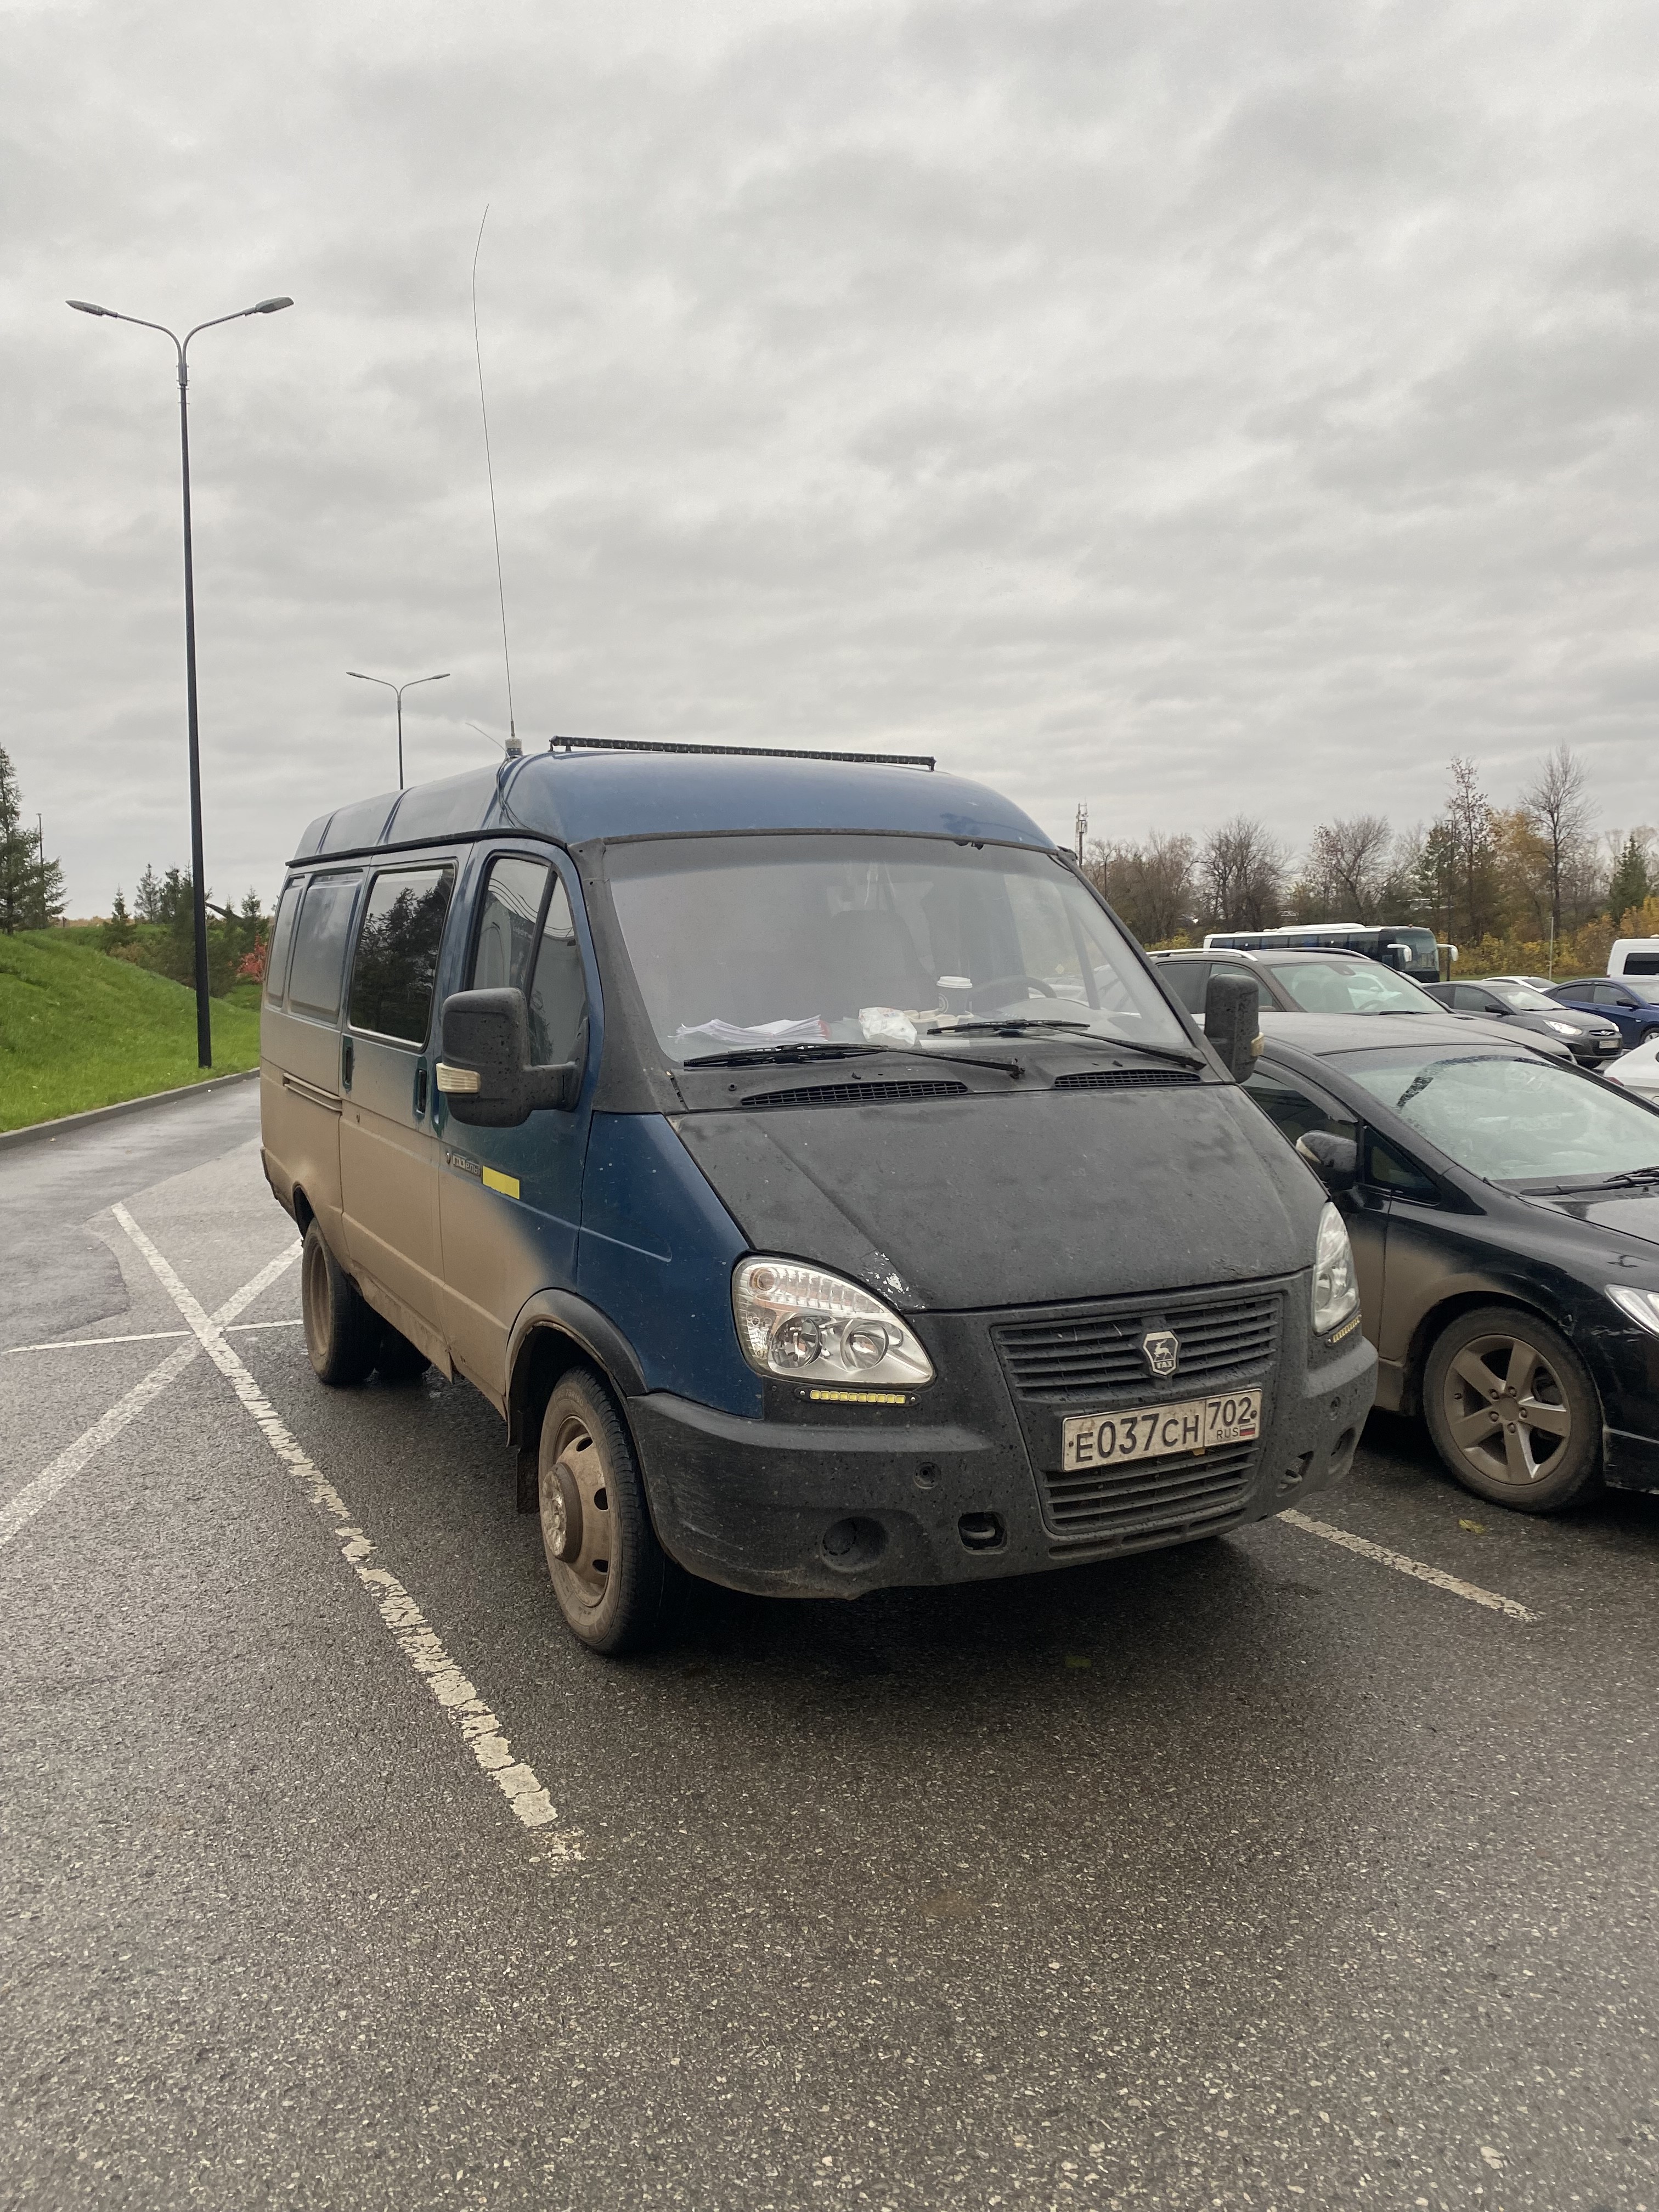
<point x="1160" y="1350"/>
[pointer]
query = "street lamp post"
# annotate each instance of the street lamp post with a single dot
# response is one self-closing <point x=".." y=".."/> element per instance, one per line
<point x="203" y="1022"/>
<point x="399" y="689"/>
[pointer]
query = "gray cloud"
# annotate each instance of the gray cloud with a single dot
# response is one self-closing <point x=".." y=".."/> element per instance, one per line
<point x="1186" y="407"/>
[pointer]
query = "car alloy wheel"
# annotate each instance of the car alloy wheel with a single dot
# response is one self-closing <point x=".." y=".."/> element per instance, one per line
<point x="1512" y="1410"/>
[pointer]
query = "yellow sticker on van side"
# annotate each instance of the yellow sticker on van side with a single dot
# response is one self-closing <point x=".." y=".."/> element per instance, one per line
<point x="507" y="1185"/>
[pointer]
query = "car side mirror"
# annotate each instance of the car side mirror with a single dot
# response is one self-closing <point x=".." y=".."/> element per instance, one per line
<point x="1232" y="1022"/>
<point x="1333" y="1159"/>
<point x="485" y="1074"/>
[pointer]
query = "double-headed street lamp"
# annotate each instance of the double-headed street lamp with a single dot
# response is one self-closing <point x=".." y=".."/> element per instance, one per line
<point x="203" y="1024"/>
<point x="399" y="689"/>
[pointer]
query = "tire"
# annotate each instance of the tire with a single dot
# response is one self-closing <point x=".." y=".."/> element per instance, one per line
<point x="397" y="1360"/>
<point x="342" y="1332"/>
<point x="615" y="1586"/>
<point x="1536" y="1451"/>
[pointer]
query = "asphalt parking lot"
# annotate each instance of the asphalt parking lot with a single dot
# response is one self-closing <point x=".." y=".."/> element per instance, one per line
<point x="1272" y="1872"/>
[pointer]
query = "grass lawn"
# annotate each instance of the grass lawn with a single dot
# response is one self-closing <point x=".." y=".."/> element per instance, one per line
<point x="78" y="1030"/>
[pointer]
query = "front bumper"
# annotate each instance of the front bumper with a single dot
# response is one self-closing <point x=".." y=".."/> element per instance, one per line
<point x="787" y="1508"/>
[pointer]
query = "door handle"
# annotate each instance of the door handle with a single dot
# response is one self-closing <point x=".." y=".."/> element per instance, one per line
<point x="420" y="1091"/>
<point x="345" y="1063"/>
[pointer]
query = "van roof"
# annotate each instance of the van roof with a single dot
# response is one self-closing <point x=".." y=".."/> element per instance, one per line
<point x="571" y="796"/>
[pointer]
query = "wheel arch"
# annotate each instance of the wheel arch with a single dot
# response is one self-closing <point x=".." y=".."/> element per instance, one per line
<point x="556" y="1331"/>
<point x="1440" y="1316"/>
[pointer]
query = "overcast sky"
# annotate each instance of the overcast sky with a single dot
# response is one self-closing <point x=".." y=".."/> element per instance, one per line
<point x="1186" y="407"/>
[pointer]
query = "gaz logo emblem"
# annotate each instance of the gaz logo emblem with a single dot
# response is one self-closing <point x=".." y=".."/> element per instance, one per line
<point x="1160" y="1350"/>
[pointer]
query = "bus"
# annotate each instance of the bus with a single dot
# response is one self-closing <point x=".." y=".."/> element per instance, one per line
<point x="1414" y="951"/>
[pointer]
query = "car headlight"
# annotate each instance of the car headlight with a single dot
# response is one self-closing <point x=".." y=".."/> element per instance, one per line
<point x="1335" y="1286"/>
<point x="1642" y="1306"/>
<point x="1561" y="1029"/>
<point x="813" y="1327"/>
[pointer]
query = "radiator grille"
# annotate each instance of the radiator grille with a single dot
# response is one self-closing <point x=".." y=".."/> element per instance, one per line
<point x="1098" y="1350"/>
<point x="1149" y="1497"/>
<point x="1124" y="1078"/>
<point x="854" y="1094"/>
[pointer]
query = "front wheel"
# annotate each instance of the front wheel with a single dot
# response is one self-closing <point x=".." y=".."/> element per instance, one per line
<point x="615" y="1586"/>
<point x="1513" y="1410"/>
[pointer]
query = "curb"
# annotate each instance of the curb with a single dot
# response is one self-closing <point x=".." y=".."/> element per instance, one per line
<point x="39" y="1132"/>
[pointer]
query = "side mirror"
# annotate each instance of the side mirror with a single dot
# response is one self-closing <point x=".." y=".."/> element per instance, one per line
<point x="1333" y="1159"/>
<point x="1232" y="1022"/>
<point x="485" y="1073"/>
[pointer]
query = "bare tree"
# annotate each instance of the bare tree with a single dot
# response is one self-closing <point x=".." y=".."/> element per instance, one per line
<point x="1472" y="831"/>
<point x="1150" y="885"/>
<point x="1348" y="866"/>
<point x="1241" y="867"/>
<point x="1557" y="805"/>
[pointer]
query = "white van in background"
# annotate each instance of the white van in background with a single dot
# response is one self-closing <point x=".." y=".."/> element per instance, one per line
<point x="1634" y="956"/>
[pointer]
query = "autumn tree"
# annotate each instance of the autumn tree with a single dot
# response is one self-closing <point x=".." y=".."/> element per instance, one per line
<point x="1241" y="870"/>
<point x="1151" y="886"/>
<point x="1557" y="804"/>
<point x="1347" y="873"/>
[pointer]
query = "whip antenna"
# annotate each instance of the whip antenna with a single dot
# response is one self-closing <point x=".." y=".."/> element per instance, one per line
<point x="489" y="471"/>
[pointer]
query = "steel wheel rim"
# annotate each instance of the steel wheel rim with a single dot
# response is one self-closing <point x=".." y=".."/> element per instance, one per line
<point x="582" y="1582"/>
<point x="1506" y="1411"/>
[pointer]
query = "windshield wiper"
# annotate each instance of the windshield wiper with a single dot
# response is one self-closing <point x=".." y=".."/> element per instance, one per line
<point x="760" y="1055"/>
<point x="765" y="1055"/>
<point x="1016" y="1023"/>
<point x="1619" y="1179"/>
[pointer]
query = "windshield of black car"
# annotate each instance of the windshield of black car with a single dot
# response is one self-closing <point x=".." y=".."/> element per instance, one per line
<point x="1521" y="999"/>
<point x="1349" y="987"/>
<point x="747" y="942"/>
<point x="1510" y="1119"/>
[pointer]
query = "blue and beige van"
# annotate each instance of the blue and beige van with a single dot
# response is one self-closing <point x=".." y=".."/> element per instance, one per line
<point x="808" y="1169"/>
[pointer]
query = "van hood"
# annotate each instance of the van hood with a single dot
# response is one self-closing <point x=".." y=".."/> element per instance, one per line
<point x="999" y="1201"/>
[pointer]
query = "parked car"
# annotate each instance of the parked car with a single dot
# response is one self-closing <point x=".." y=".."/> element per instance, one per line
<point x="1532" y="983"/>
<point x="1630" y="1001"/>
<point x="1634" y="956"/>
<point x="1504" y="1217"/>
<point x="1638" y="1070"/>
<point x="1326" y="983"/>
<point x="799" y="1157"/>
<point x="1591" y="1039"/>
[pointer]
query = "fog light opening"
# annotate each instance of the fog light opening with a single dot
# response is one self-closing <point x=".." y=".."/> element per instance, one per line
<point x="1342" y="1451"/>
<point x="981" y="1532"/>
<point x="854" y="1543"/>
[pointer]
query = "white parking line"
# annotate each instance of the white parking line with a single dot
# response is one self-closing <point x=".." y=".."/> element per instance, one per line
<point x="481" y="1731"/>
<point x="1402" y="1564"/>
<point x="146" y="1336"/>
<point x="20" y="1510"/>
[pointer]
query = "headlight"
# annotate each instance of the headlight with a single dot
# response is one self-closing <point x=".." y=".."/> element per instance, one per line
<point x="1642" y="1306"/>
<point x="1561" y="1029"/>
<point x="1335" y="1289"/>
<point x="813" y="1327"/>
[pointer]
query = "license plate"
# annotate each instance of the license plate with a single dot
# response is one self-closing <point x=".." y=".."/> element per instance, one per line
<point x="1196" y="1425"/>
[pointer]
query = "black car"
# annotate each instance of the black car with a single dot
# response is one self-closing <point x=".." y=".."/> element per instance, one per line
<point x="1591" y="1039"/>
<point x="1326" y="983"/>
<point x="1504" y="1217"/>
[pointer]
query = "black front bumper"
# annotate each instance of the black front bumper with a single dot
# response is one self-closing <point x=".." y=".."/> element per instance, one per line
<point x="788" y="1507"/>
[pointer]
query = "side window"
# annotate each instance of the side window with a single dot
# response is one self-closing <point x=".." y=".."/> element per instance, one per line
<point x="1294" y="1111"/>
<point x="1391" y="1171"/>
<point x="545" y="962"/>
<point x="282" y="938"/>
<point x="1185" y="980"/>
<point x="319" y="946"/>
<point x="396" y="962"/>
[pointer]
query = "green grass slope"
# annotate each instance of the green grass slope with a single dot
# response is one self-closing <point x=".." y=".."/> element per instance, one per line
<point x="78" y="1030"/>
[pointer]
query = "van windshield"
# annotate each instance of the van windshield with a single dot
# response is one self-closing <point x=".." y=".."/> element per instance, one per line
<point x="757" y="941"/>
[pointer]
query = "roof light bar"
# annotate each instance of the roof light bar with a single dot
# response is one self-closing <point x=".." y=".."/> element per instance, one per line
<point x="745" y="752"/>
